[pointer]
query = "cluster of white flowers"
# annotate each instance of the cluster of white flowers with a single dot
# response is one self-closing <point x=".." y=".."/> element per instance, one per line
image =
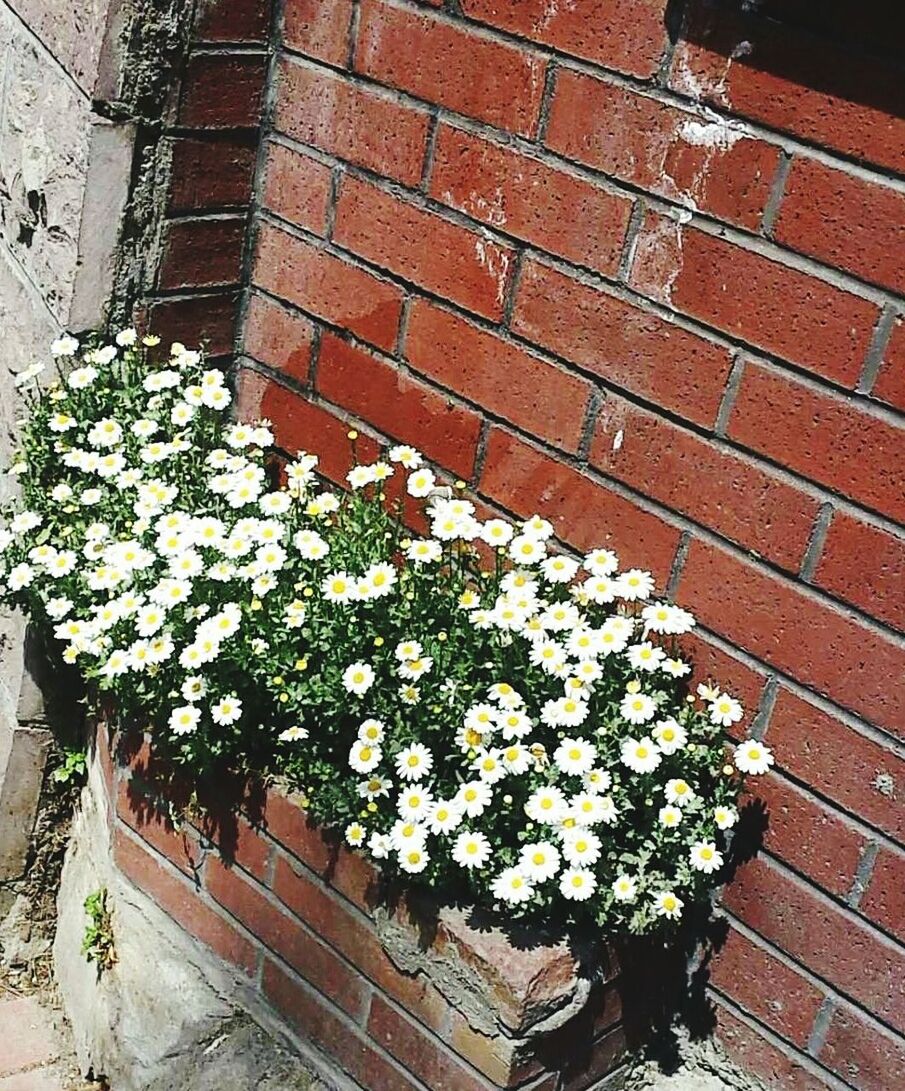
<point x="474" y="705"/>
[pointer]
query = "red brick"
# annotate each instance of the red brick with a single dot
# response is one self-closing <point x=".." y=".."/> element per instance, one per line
<point x="506" y="380"/>
<point x="467" y="267"/>
<point x="884" y="899"/>
<point x="864" y="565"/>
<point x="180" y="900"/>
<point x="811" y="640"/>
<point x="525" y="480"/>
<point x="624" y="345"/>
<point x="317" y="1020"/>
<point x="845" y="221"/>
<point x="288" y="824"/>
<point x="747" y="295"/>
<point x="807" y="835"/>
<point x="498" y="1058"/>
<point x="829" y="940"/>
<point x="209" y="174"/>
<point x="354" y="937"/>
<point x="328" y="286"/>
<point x="233" y="21"/>
<point x="789" y="80"/>
<point x="278" y="338"/>
<point x="551" y="208"/>
<point x="296" y="420"/>
<point x="890" y="382"/>
<point x="364" y="125"/>
<point x="822" y="436"/>
<point x="250" y="851"/>
<point x="779" y="1067"/>
<point x="675" y="153"/>
<point x="586" y="1068"/>
<point x="724" y="491"/>
<point x="425" y="1056"/>
<point x="398" y="405"/>
<point x="207" y="320"/>
<point x="223" y="91"/>
<point x="622" y="34"/>
<point x="863" y="776"/>
<point x="178" y="844"/>
<point x="766" y="988"/>
<point x="202" y="253"/>
<point x="451" y="65"/>
<point x="286" y="937"/>
<point x="297" y="188"/>
<point x="319" y="30"/>
<point x="523" y="983"/>
<point x="355" y="877"/>
<point x="861" y="1052"/>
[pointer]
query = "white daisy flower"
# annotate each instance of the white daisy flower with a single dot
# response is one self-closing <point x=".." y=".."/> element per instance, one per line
<point x="414" y="803"/>
<point x="540" y="860"/>
<point x="679" y="791"/>
<point x="637" y="708"/>
<point x="577" y="884"/>
<point x="725" y="710"/>
<point x="358" y="678"/>
<point x="547" y="805"/>
<point x="580" y="847"/>
<point x="575" y="756"/>
<point x="445" y="815"/>
<point x="475" y="797"/>
<point x="640" y="755"/>
<point x="634" y="584"/>
<point x="183" y="721"/>
<point x="645" y="656"/>
<point x="625" y="888"/>
<point x="227" y="710"/>
<point x="420" y="483"/>
<point x="753" y="757"/>
<point x="669" y="735"/>
<point x="668" y="904"/>
<point x="512" y="886"/>
<point x="471" y="850"/>
<point x="725" y="817"/>
<point x="355" y="834"/>
<point x="414" y="762"/>
<point x="706" y="857"/>
<point x="414" y="859"/>
<point x="371" y="731"/>
<point x="364" y="756"/>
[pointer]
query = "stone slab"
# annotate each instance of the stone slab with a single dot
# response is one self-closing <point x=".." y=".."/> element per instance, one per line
<point x="79" y="35"/>
<point x="20" y="789"/>
<point x="27" y="1037"/>
<point x="44" y="144"/>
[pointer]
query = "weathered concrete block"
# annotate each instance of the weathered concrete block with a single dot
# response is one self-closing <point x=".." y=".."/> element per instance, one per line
<point x="20" y="788"/>
<point x="106" y="192"/>
<point x="44" y="144"/>
<point x="79" y="35"/>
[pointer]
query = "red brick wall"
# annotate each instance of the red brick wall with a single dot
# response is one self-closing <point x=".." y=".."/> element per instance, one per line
<point x="515" y="232"/>
<point x="211" y="135"/>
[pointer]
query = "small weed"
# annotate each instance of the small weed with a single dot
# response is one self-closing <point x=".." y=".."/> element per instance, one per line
<point x="72" y="770"/>
<point x="97" y="944"/>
